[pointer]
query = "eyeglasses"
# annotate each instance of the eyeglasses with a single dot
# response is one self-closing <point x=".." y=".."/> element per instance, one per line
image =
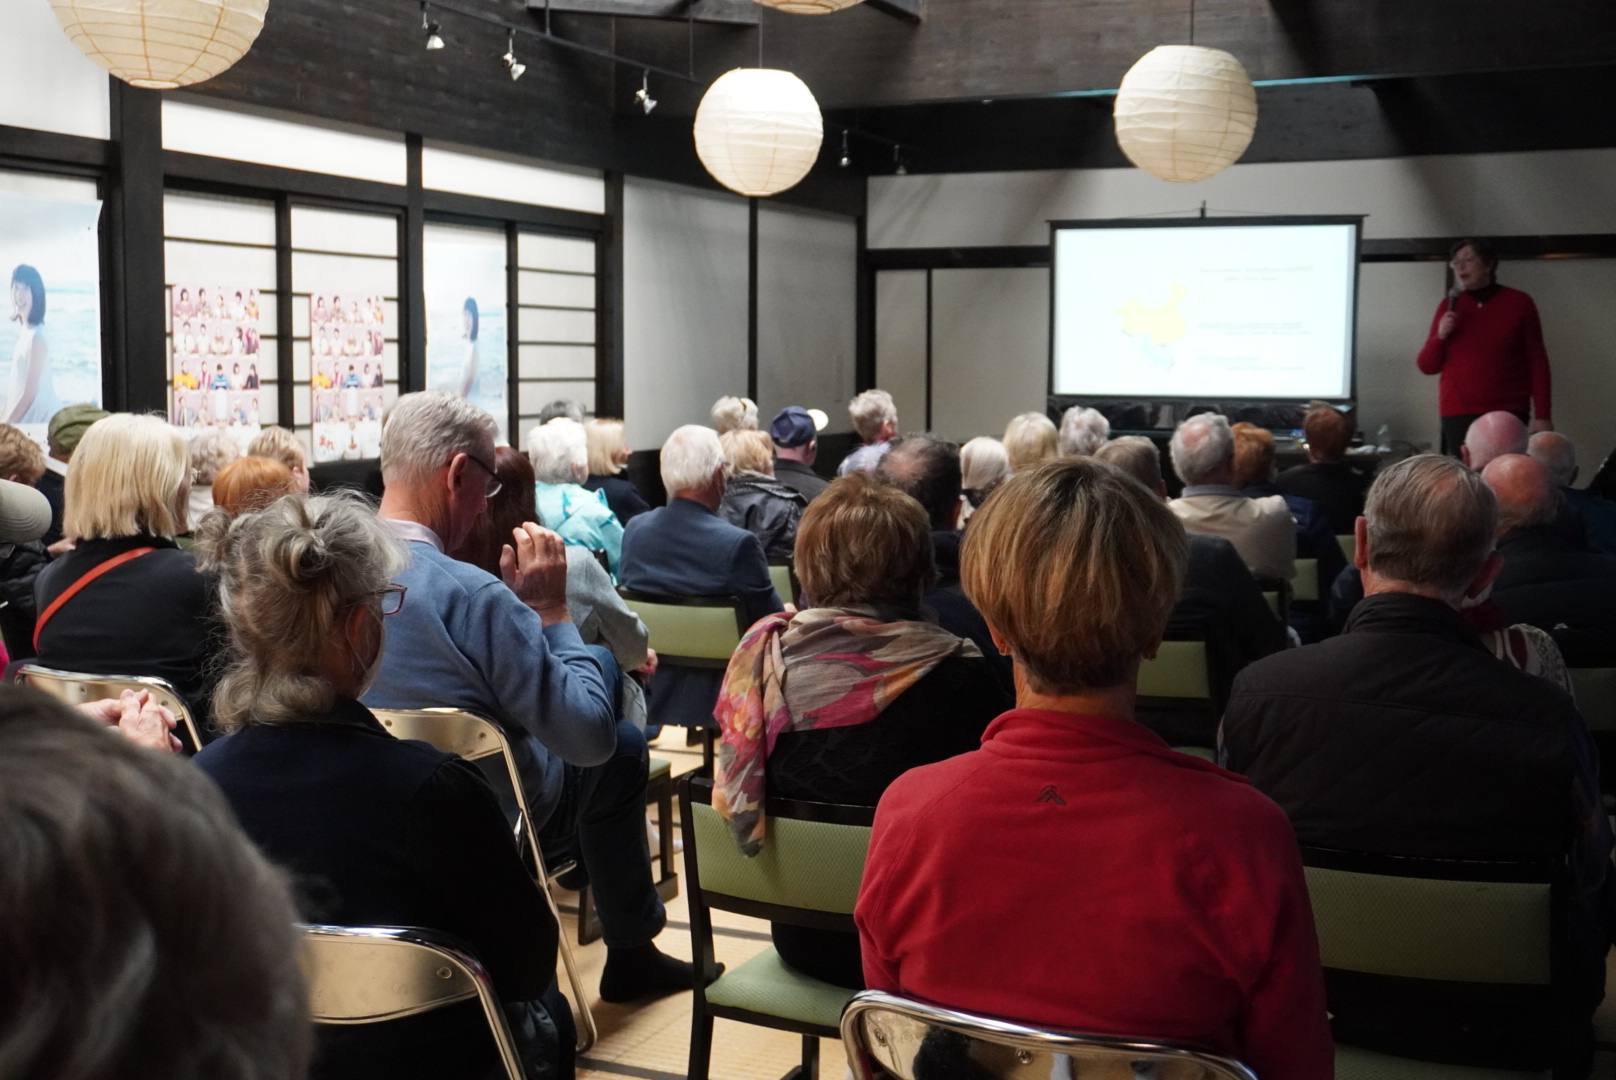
<point x="1460" y="264"/>
<point x="392" y="598"/>
<point x="494" y="484"/>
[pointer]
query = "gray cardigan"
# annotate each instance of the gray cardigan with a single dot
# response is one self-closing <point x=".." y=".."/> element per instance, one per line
<point x="603" y="619"/>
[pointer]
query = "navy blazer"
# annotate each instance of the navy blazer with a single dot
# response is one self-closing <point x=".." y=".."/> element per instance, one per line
<point x="684" y="549"/>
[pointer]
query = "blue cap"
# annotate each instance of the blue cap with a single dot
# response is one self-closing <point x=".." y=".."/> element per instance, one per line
<point x="793" y="427"/>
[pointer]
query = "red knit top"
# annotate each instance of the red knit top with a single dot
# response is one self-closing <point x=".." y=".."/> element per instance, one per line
<point x="1494" y="359"/>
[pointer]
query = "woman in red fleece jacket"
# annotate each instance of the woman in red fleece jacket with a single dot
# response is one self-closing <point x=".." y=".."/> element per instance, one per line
<point x="1487" y="344"/>
<point x="1075" y="872"/>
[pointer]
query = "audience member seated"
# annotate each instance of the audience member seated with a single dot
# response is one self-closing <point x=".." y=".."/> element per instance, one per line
<point x="1262" y="530"/>
<point x="1074" y="872"/>
<point x="796" y="447"/>
<point x="803" y="719"/>
<point x="927" y="469"/>
<point x="984" y="465"/>
<point x="252" y="483"/>
<point x="1315" y="536"/>
<point x="1559" y="455"/>
<point x="608" y="453"/>
<point x="144" y="937"/>
<point x="734" y="414"/>
<point x="1030" y="438"/>
<point x="279" y="444"/>
<point x="1220" y="603"/>
<point x="559" y="451"/>
<point x="127" y="600"/>
<point x="1327" y="479"/>
<point x="561" y="407"/>
<point x="376" y="830"/>
<point x="1083" y="430"/>
<point x="211" y="450"/>
<point x="1548" y="582"/>
<point x="509" y="651"/>
<point x="875" y="419"/>
<point x="22" y="550"/>
<point x="67" y="426"/>
<point x="597" y="611"/>
<point x="1451" y="754"/>
<point x="753" y="499"/>
<point x="1493" y="435"/>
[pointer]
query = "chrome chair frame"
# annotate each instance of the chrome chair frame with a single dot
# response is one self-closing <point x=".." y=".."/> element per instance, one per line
<point x="1028" y="1043"/>
<point x="391" y="961"/>
<point x="476" y="738"/>
<point x="77" y="687"/>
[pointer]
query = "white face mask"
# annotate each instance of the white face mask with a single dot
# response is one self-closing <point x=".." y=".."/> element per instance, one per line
<point x="374" y="667"/>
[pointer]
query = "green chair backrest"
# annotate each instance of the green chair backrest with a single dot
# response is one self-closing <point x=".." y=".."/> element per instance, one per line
<point x="1596" y="696"/>
<point x="1429" y="928"/>
<point x="686" y="632"/>
<point x="1179" y="671"/>
<point x="781" y="576"/>
<point x="1306" y="586"/>
<point x="1349" y="545"/>
<point x="805" y="864"/>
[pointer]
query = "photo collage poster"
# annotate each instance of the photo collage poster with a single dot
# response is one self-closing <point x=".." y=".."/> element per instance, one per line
<point x="51" y="258"/>
<point x="347" y="337"/>
<point x="466" y="324"/>
<point x="214" y="377"/>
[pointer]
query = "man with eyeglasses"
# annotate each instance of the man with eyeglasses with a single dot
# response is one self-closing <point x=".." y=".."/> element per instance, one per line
<point x="508" y="650"/>
<point x="1486" y="342"/>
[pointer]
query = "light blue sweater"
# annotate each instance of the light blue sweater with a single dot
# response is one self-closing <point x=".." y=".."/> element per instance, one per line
<point x="463" y="640"/>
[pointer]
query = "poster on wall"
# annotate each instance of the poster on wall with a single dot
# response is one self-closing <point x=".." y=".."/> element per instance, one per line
<point x="348" y="382"/>
<point x="50" y="256"/>
<point x="213" y="357"/>
<point x="464" y="272"/>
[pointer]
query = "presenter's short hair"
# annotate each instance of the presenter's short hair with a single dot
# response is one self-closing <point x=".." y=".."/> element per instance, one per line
<point x="130" y="475"/>
<point x="1431" y="523"/>
<point x="1483" y="247"/>
<point x="862" y="542"/>
<point x="1077" y="567"/>
<point x="1329" y="432"/>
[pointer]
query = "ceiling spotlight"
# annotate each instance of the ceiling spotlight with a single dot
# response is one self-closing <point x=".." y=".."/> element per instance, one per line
<point x="643" y="94"/>
<point x="434" y="40"/>
<point x="846" y="160"/>
<point x="512" y="64"/>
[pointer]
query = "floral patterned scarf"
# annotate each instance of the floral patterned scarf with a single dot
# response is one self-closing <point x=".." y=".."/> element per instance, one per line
<point x="821" y="668"/>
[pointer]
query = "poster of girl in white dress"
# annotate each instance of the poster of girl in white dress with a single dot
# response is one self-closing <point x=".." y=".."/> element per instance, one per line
<point x="213" y="358"/>
<point x="466" y="326"/>
<point x="348" y="379"/>
<point x="50" y="263"/>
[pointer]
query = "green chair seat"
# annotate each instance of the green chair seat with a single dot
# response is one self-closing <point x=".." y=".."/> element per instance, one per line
<point x="659" y="767"/>
<point x="1307" y="586"/>
<point x="1198" y="751"/>
<point x="1179" y="671"/>
<point x="1352" y="1063"/>
<point x="1596" y="696"/>
<point x="765" y="984"/>
<point x="781" y="576"/>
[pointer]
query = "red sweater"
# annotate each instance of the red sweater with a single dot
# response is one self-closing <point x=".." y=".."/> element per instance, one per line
<point x="1494" y="359"/>
<point x="1076" y="873"/>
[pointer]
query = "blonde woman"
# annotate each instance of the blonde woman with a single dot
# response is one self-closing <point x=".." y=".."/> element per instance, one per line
<point x="1029" y="439"/>
<point x="734" y="414"/>
<point x="279" y="444"/>
<point x="754" y="499"/>
<point x="608" y="453"/>
<point x="127" y="600"/>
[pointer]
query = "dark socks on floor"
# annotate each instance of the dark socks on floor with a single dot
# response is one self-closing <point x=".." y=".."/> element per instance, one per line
<point x="644" y="971"/>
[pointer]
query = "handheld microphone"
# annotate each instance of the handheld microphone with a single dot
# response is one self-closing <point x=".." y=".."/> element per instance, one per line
<point x="1453" y="298"/>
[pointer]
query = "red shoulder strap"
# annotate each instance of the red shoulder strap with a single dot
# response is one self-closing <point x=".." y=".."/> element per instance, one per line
<point x="73" y="589"/>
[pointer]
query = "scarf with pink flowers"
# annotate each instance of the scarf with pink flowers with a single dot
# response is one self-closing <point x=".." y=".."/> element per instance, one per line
<point x="821" y="668"/>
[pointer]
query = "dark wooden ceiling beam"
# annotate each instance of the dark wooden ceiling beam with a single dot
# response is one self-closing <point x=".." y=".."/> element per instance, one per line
<point x="726" y="12"/>
<point x="906" y="10"/>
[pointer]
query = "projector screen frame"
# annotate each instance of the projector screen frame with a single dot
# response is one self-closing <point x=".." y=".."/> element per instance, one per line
<point x="1356" y="221"/>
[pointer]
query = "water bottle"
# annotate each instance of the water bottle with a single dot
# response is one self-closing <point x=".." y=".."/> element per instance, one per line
<point x="1383" y="439"/>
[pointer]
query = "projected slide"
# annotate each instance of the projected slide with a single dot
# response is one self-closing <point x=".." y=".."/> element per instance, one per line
<point x="1219" y="311"/>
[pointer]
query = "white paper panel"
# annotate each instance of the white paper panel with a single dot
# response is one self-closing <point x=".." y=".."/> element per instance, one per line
<point x="45" y="82"/>
<point x="555" y="290"/>
<point x="546" y="325"/>
<point x="203" y="217"/>
<point x="900" y="343"/>
<point x="283" y="142"/>
<point x="535" y="251"/>
<point x="314" y="229"/>
<point x="557" y="361"/>
<point x="343" y="275"/>
<point x="211" y="265"/>
<point x="807" y="312"/>
<point x="534" y="396"/>
<point x="513" y="179"/>
<point x="990" y="349"/>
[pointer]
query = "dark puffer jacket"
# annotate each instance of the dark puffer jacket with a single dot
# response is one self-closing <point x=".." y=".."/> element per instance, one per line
<point x="1548" y="582"/>
<point x="20" y="564"/>
<point x="767" y="509"/>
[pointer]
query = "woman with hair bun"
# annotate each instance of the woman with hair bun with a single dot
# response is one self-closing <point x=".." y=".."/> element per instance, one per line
<point x="380" y="831"/>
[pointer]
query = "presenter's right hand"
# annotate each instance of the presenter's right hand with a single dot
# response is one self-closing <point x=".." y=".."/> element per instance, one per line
<point x="1444" y="329"/>
<point x="536" y="571"/>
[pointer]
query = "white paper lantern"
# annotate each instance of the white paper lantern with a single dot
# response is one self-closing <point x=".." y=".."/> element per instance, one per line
<point x="1185" y="112"/>
<point x="161" y="44"/>
<point x="758" y="130"/>
<point x="809" y="7"/>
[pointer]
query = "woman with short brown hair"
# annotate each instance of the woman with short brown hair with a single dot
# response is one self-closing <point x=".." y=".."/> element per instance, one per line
<point x="833" y="703"/>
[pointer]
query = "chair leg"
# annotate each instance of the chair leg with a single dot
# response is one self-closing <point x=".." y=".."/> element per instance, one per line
<point x="701" y="1044"/>
<point x="665" y="830"/>
<point x="809" y="1069"/>
<point x="707" y="751"/>
<point x="587" y="1032"/>
<point x="589" y="929"/>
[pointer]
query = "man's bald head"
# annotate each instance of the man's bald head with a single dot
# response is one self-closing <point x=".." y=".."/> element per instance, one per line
<point x="1555" y="453"/>
<point x="1526" y="493"/>
<point x="1493" y="436"/>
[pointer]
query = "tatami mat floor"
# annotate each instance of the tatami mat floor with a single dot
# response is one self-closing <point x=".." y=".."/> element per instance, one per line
<point x="652" y="1042"/>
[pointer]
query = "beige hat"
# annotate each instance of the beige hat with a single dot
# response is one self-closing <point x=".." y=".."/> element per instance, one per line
<point x="25" y="514"/>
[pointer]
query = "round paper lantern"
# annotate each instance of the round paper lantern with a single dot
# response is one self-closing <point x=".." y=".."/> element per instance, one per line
<point x="809" y="7"/>
<point x="758" y="130"/>
<point x="161" y="44"/>
<point x="1185" y="112"/>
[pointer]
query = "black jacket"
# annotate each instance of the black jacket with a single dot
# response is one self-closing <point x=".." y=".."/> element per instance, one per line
<point x="767" y="509"/>
<point x="382" y="832"/>
<point x="52" y="485"/>
<point x="956" y="614"/>
<point x="799" y="477"/>
<point x="20" y="565"/>
<point x="621" y="495"/>
<point x="1337" y="487"/>
<point x="1548" y="582"/>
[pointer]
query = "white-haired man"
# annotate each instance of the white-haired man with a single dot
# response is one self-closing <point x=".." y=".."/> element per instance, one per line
<point x="1404" y="736"/>
<point x="875" y="418"/>
<point x="1083" y="430"/>
<point x="1261" y="530"/>
<point x="686" y="549"/>
<point x="1558" y="455"/>
<point x="509" y="651"/>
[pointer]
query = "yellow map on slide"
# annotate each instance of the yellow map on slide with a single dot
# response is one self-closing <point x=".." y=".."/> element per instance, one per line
<point x="1162" y="323"/>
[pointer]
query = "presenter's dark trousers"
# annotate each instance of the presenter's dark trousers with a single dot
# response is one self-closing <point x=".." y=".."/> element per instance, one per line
<point x="1454" y="429"/>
